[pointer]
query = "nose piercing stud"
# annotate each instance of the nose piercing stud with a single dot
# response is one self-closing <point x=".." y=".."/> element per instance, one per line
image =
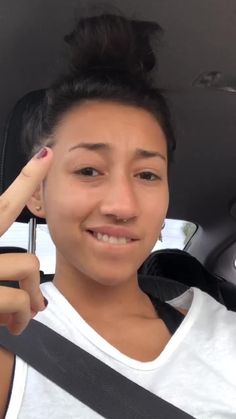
<point x="123" y="220"/>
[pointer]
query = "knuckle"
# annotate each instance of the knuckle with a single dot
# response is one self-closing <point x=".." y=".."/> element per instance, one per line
<point x="25" y="173"/>
<point x="22" y="299"/>
<point x="16" y="328"/>
<point x="32" y="263"/>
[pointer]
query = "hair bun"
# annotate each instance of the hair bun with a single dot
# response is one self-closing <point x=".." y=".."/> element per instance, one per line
<point x="111" y="43"/>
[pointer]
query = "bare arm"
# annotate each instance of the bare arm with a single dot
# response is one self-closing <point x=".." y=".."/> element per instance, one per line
<point x="6" y="368"/>
<point x="18" y="306"/>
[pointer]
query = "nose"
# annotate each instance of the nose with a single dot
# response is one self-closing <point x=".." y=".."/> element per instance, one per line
<point x="120" y="200"/>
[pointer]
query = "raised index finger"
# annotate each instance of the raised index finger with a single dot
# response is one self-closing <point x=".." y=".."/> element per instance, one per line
<point x="13" y="200"/>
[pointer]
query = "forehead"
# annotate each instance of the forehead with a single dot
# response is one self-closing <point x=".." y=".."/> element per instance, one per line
<point x="117" y="124"/>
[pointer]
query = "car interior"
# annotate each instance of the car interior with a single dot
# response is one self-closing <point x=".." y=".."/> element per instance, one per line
<point x="196" y="70"/>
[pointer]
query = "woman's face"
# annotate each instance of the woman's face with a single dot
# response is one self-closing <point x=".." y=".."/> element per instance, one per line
<point x="110" y="164"/>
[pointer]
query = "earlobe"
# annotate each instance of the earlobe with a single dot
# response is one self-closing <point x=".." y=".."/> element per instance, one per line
<point x="36" y="208"/>
<point x="35" y="204"/>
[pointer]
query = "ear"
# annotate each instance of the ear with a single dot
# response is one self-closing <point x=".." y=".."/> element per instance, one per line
<point x="36" y="202"/>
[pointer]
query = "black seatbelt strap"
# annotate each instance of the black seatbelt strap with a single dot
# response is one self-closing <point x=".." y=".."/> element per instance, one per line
<point x="85" y="377"/>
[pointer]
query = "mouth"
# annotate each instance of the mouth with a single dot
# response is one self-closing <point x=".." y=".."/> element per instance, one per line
<point x="105" y="238"/>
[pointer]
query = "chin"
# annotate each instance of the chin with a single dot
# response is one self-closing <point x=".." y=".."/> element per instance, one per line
<point x="114" y="279"/>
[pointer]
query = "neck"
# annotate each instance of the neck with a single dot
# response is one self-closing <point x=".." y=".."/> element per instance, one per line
<point x="91" y="298"/>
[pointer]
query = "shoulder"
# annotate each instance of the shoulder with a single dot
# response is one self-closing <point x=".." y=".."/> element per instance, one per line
<point x="216" y="323"/>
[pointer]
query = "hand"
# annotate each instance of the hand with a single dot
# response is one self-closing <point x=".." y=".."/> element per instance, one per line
<point x="18" y="306"/>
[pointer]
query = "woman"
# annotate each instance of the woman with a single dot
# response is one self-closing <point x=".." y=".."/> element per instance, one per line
<point x="105" y="198"/>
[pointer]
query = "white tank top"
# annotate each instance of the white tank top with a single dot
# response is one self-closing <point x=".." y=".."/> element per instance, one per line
<point x="195" y="372"/>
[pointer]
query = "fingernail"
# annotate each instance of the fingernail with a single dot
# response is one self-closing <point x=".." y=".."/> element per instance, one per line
<point x="45" y="301"/>
<point x="42" y="153"/>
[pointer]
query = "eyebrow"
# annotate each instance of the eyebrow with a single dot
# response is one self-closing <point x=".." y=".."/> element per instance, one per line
<point x="139" y="152"/>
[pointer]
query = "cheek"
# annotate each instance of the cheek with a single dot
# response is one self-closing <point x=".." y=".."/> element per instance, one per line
<point x="158" y="201"/>
<point x="155" y="212"/>
<point x="66" y="201"/>
<point x="64" y="206"/>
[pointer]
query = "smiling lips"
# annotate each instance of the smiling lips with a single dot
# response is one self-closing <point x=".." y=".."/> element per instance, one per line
<point x="113" y="235"/>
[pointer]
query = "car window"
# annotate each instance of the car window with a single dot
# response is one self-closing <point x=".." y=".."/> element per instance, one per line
<point x="175" y="234"/>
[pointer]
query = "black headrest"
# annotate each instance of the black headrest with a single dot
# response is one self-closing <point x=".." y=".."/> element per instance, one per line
<point x="183" y="268"/>
<point x="12" y="157"/>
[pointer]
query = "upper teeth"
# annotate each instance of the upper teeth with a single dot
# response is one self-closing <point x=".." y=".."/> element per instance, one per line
<point x="111" y="239"/>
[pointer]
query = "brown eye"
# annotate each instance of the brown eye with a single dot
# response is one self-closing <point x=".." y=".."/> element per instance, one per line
<point x="87" y="171"/>
<point x="149" y="176"/>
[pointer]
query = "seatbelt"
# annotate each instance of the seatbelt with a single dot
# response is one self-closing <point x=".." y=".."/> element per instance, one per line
<point x="85" y="377"/>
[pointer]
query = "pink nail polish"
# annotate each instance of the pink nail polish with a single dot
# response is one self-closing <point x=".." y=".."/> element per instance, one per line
<point x="42" y="153"/>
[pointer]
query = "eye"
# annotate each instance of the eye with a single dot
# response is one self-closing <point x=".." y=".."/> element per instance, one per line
<point x="87" y="172"/>
<point x="149" y="176"/>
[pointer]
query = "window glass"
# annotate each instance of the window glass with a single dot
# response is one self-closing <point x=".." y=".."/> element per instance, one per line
<point x="17" y="235"/>
<point x="175" y="234"/>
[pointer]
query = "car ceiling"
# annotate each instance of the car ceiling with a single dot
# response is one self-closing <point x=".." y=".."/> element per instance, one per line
<point x="199" y="36"/>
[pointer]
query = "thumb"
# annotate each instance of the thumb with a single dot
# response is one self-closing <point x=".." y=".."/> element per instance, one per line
<point x="13" y="200"/>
